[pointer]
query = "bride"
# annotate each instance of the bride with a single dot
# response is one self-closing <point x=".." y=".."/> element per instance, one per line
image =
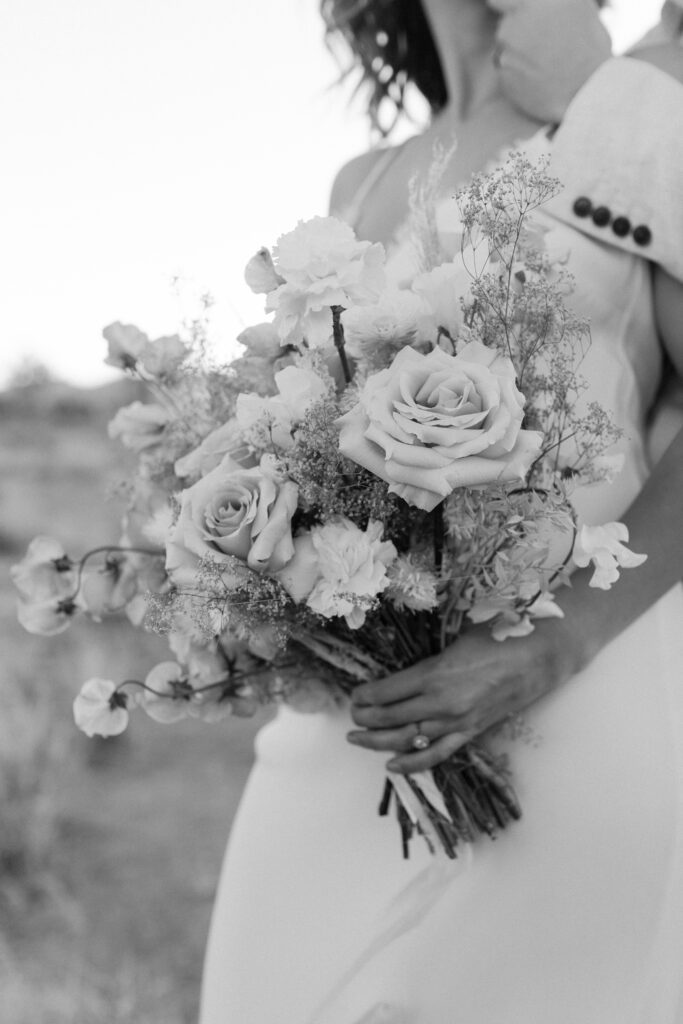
<point x="575" y="914"/>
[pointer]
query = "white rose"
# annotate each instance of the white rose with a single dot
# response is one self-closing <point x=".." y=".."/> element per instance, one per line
<point x="139" y="425"/>
<point x="234" y="512"/>
<point x="323" y="265"/>
<point x="99" y="710"/>
<point x="431" y="423"/>
<point x="605" y="547"/>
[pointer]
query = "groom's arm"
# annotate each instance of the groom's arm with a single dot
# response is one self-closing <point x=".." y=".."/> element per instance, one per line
<point x="619" y="156"/>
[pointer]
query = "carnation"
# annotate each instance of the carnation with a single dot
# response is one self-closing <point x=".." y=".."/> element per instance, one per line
<point x="340" y="569"/>
<point x="322" y="265"/>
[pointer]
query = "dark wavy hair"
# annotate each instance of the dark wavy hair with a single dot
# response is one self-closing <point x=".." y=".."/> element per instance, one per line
<point x="392" y="46"/>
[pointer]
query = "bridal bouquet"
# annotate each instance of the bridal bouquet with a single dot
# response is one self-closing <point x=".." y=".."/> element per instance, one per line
<point x="382" y="469"/>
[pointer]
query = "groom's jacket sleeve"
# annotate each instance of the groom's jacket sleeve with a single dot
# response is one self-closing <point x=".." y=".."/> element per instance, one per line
<point x="619" y="156"/>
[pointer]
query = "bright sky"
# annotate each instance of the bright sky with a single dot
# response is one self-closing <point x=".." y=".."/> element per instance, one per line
<point x="145" y="139"/>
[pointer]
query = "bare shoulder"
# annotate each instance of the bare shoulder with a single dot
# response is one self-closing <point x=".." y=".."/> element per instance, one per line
<point x="668" y="57"/>
<point x="350" y="177"/>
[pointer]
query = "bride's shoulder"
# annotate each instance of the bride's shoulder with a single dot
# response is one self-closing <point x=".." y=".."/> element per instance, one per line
<point x="352" y="177"/>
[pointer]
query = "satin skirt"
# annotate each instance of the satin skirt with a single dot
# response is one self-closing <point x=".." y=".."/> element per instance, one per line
<point x="574" y="915"/>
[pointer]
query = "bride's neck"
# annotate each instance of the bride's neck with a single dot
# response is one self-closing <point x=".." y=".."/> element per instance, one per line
<point x="464" y="34"/>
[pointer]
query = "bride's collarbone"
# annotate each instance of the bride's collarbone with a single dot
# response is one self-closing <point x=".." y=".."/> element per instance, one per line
<point x="475" y="144"/>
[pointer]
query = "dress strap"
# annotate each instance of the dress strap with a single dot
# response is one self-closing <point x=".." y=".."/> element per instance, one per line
<point x="351" y="211"/>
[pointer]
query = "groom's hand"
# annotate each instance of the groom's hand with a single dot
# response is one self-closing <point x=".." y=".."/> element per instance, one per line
<point x="546" y="50"/>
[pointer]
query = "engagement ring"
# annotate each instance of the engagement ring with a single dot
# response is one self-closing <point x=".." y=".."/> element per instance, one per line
<point x="420" y="741"/>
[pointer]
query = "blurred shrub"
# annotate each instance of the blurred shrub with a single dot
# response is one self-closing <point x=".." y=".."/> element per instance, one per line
<point x="32" y="742"/>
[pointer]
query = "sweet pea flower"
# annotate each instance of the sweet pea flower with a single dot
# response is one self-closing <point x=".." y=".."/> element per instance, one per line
<point x="273" y="419"/>
<point x="168" y="698"/>
<point x="163" y="356"/>
<point x="440" y="291"/>
<point x="99" y="709"/>
<point x="604" y="546"/>
<point x="322" y="264"/>
<point x="125" y="345"/>
<point x="47" y="617"/>
<point x="139" y="425"/>
<point x="431" y="423"/>
<point x="260" y="273"/>
<point x="109" y="588"/>
<point x="224" y="440"/>
<point x="46" y="572"/>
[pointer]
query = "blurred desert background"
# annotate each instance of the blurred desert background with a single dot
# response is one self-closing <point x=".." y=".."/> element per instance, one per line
<point x="109" y="849"/>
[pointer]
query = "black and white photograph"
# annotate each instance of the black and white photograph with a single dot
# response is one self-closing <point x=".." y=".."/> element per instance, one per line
<point x="341" y="405"/>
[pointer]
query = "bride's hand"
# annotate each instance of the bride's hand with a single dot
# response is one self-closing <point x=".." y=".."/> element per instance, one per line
<point x="452" y="697"/>
<point x="546" y="50"/>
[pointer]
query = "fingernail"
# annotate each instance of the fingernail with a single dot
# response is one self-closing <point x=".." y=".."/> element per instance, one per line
<point x="393" y="766"/>
<point x="353" y="737"/>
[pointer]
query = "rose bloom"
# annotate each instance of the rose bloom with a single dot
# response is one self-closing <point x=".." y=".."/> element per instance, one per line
<point x="139" y="425"/>
<point x="234" y="512"/>
<point x="339" y="569"/>
<point x="322" y="264"/>
<point x="99" y="710"/>
<point x="431" y="423"/>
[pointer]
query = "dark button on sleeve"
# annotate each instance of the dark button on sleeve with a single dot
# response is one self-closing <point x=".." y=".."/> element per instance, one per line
<point x="583" y="207"/>
<point x="601" y="216"/>
<point x="621" y="226"/>
<point x="642" y="235"/>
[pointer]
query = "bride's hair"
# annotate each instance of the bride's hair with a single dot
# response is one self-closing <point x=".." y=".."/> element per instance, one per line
<point x="392" y="46"/>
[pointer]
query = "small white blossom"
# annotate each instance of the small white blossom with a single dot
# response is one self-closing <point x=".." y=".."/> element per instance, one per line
<point x="139" y="425"/>
<point x="604" y="546"/>
<point x="411" y="585"/>
<point x="167" y="699"/>
<point x="99" y="710"/>
<point x="45" y="572"/>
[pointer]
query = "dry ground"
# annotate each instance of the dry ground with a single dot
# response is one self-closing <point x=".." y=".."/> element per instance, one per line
<point x="106" y="887"/>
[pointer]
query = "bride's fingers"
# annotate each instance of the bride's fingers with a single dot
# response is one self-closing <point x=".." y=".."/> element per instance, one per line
<point x="393" y="716"/>
<point x="400" y="686"/>
<point x="422" y="760"/>
<point x="397" y="739"/>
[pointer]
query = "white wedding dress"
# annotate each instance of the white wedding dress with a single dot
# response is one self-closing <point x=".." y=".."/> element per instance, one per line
<point x="574" y="915"/>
